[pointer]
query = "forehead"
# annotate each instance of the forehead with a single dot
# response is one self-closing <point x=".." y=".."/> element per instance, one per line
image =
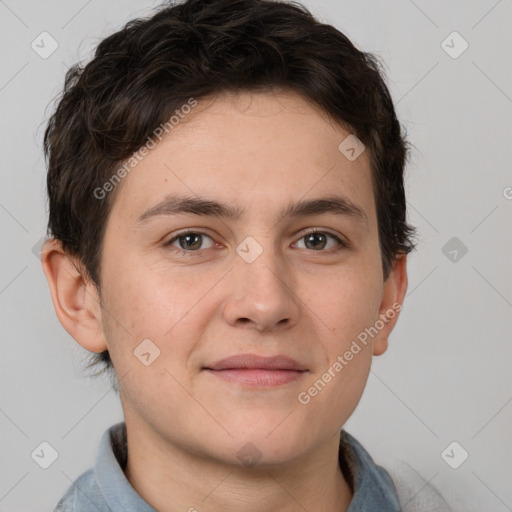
<point x="250" y="150"/>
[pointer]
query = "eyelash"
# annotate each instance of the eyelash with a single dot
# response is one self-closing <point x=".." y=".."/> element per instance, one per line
<point x="343" y="244"/>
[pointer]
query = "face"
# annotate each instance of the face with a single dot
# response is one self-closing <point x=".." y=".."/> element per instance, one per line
<point x="287" y="265"/>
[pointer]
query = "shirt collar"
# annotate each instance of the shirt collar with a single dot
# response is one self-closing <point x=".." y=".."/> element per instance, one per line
<point x="109" y="471"/>
<point x="372" y="486"/>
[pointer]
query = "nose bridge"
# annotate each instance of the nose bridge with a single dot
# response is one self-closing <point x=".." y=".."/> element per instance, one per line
<point x="261" y="290"/>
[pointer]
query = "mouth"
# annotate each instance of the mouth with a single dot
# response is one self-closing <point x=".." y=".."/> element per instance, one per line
<point x="250" y="370"/>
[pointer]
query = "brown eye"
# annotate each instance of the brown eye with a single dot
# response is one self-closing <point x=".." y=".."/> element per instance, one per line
<point x="190" y="241"/>
<point x="319" y="240"/>
<point x="315" y="241"/>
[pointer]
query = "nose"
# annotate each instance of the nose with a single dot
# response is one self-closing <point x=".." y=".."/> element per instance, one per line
<point x="261" y="294"/>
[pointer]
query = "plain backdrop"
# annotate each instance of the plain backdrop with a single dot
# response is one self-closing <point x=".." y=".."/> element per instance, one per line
<point x="447" y="374"/>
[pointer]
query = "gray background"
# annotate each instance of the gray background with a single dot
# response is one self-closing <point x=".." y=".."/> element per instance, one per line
<point x="446" y="376"/>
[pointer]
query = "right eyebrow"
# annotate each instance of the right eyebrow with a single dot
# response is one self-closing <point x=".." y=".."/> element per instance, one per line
<point x="174" y="205"/>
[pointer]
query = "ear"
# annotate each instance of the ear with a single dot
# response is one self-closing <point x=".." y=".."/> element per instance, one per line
<point x="74" y="295"/>
<point x="395" y="287"/>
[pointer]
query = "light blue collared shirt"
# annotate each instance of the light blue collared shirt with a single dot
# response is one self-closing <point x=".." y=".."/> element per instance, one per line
<point x="105" y="488"/>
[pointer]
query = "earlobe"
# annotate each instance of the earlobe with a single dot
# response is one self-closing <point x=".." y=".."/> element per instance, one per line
<point x="74" y="297"/>
<point x="395" y="287"/>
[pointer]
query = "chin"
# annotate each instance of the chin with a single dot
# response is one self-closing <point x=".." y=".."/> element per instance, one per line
<point x="267" y="442"/>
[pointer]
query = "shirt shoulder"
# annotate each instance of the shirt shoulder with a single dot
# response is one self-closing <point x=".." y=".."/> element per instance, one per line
<point x="105" y="488"/>
<point x="415" y="493"/>
<point x="83" y="495"/>
<point x="395" y="488"/>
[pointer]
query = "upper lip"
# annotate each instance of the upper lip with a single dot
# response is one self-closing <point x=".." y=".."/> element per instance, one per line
<point x="238" y="361"/>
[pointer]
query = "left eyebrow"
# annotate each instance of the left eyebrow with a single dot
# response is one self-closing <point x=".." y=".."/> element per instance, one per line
<point x="175" y="205"/>
<point x="332" y="204"/>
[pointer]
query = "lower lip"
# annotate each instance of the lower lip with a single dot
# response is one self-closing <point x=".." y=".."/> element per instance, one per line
<point x="257" y="377"/>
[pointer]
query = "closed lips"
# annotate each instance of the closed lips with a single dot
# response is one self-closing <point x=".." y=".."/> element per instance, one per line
<point x="255" y="362"/>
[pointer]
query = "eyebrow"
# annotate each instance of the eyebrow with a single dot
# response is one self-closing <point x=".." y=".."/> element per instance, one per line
<point x="175" y="205"/>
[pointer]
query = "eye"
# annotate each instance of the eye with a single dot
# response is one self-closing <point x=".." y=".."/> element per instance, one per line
<point x="190" y="241"/>
<point x="319" y="240"/>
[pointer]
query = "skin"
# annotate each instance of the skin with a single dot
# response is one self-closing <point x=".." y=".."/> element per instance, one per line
<point x="260" y="152"/>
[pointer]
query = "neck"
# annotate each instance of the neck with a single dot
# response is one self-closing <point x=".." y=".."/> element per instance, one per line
<point x="171" y="479"/>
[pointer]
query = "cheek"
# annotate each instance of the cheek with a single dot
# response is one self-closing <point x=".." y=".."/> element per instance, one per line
<point x="335" y="388"/>
<point x="148" y="302"/>
<point x="145" y="300"/>
<point x="348" y="306"/>
<point x="346" y="303"/>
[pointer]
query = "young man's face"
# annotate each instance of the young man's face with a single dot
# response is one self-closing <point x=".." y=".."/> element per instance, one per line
<point x="256" y="283"/>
